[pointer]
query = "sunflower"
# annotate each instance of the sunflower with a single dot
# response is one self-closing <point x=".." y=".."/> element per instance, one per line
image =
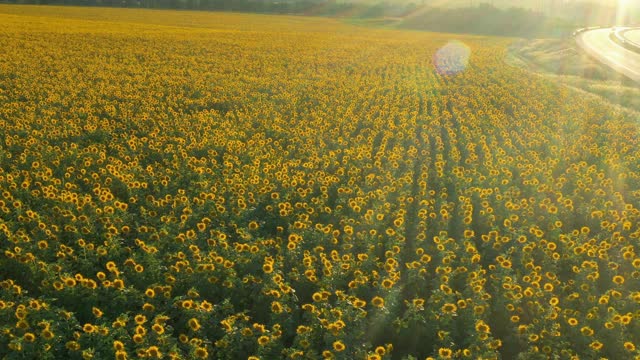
<point x="449" y="308"/>
<point x="201" y="353"/>
<point x="377" y="301"/>
<point x="596" y="345"/>
<point x="445" y="353"/>
<point x="29" y="337"/>
<point x="263" y="340"/>
<point x="194" y="324"/>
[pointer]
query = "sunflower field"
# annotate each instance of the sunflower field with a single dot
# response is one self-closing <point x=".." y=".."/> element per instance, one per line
<point x="186" y="185"/>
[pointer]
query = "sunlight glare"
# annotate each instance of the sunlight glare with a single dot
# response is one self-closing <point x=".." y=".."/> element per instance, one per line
<point x="621" y="11"/>
<point x="452" y="58"/>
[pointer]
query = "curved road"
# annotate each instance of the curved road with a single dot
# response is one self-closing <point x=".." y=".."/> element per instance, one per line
<point x="598" y="44"/>
<point x="633" y="35"/>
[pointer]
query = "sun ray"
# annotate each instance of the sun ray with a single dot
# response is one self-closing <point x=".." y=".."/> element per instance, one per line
<point x="622" y="11"/>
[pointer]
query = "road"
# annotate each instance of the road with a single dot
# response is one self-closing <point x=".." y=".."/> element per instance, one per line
<point x="633" y="35"/>
<point x="598" y="44"/>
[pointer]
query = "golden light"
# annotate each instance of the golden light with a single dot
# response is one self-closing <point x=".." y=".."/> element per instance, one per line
<point x="621" y="11"/>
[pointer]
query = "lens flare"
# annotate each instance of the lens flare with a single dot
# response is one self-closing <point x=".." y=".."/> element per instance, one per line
<point x="452" y="58"/>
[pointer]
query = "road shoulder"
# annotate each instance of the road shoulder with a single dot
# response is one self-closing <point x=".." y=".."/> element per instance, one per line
<point x="563" y="62"/>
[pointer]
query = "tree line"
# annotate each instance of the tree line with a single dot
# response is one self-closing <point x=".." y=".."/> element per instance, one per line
<point x="477" y="18"/>
<point x="306" y="7"/>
